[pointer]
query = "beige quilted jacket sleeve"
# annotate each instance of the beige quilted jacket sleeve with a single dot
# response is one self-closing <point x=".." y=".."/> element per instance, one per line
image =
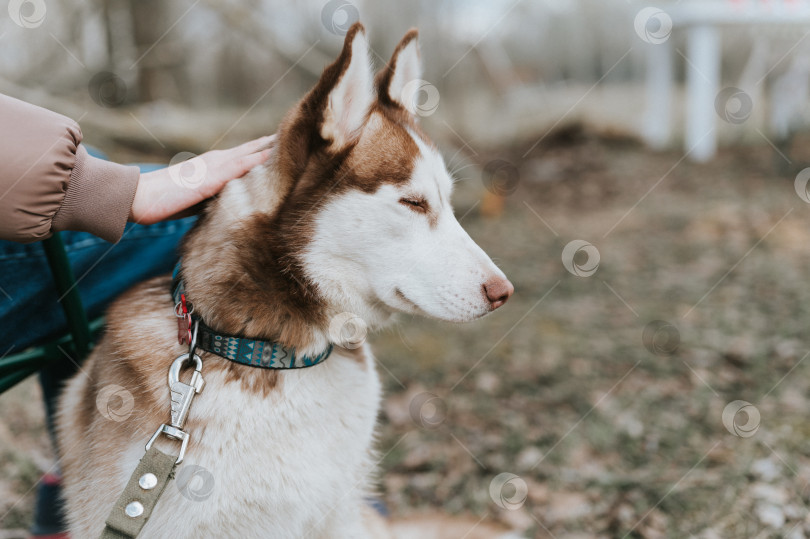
<point x="48" y="181"/>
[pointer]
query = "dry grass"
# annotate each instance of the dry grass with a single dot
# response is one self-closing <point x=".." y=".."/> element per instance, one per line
<point x="611" y="439"/>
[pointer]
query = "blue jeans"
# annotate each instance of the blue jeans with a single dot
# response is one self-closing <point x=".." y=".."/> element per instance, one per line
<point x="30" y="313"/>
<point x="29" y="309"/>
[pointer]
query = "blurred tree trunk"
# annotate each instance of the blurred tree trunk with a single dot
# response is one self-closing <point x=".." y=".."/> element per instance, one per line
<point x="149" y="22"/>
<point x="109" y="39"/>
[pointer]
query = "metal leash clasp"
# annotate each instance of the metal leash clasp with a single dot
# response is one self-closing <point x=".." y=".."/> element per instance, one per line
<point x="181" y="396"/>
<point x="183" y="393"/>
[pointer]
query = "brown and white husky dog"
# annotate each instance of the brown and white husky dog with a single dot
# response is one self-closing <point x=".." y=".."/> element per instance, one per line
<point x="350" y="214"/>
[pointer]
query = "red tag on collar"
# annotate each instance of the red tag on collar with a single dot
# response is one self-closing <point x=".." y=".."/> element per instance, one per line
<point x="183" y="322"/>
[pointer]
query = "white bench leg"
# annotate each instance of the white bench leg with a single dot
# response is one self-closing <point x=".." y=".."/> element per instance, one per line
<point x="702" y="85"/>
<point x="657" y="127"/>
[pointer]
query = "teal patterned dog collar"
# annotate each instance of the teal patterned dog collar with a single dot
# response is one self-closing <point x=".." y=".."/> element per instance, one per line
<point x="251" y="352"/>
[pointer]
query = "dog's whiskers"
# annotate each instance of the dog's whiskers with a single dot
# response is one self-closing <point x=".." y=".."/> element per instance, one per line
<point x="457" y="170"/>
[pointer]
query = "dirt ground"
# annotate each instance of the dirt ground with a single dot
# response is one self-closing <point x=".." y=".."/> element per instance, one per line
<point x="603" y="395"/>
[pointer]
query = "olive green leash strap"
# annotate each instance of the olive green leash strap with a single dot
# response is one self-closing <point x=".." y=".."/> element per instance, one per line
<point x="134" y="507"/>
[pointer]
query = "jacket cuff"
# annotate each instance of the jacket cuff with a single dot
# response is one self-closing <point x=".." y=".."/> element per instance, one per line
<point x="98" y="197"/>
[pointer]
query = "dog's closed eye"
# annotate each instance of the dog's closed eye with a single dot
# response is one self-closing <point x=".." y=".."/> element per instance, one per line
<point x="416" y="204"/>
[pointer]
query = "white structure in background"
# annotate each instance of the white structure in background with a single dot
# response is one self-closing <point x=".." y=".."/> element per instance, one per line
<point x="702" y="21"/>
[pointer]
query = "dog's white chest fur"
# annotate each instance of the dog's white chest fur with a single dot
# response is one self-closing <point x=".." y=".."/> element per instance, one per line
<point x="292" y="464"/>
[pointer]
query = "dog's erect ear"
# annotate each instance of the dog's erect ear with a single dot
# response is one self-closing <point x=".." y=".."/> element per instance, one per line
<point x="351" y="90"/>
<point x="398" y="82"/>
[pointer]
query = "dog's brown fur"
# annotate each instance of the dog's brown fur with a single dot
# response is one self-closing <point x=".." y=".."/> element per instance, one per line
<point x="244" y="275"/>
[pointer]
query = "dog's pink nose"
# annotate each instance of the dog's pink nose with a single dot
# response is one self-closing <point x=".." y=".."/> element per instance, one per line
<point x="498" y="290"/>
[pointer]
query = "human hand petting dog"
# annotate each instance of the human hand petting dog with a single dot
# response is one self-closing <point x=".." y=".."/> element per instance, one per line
<point x="167" y="193"/>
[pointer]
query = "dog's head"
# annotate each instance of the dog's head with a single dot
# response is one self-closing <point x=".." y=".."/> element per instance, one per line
<point x="367" y="197"/>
